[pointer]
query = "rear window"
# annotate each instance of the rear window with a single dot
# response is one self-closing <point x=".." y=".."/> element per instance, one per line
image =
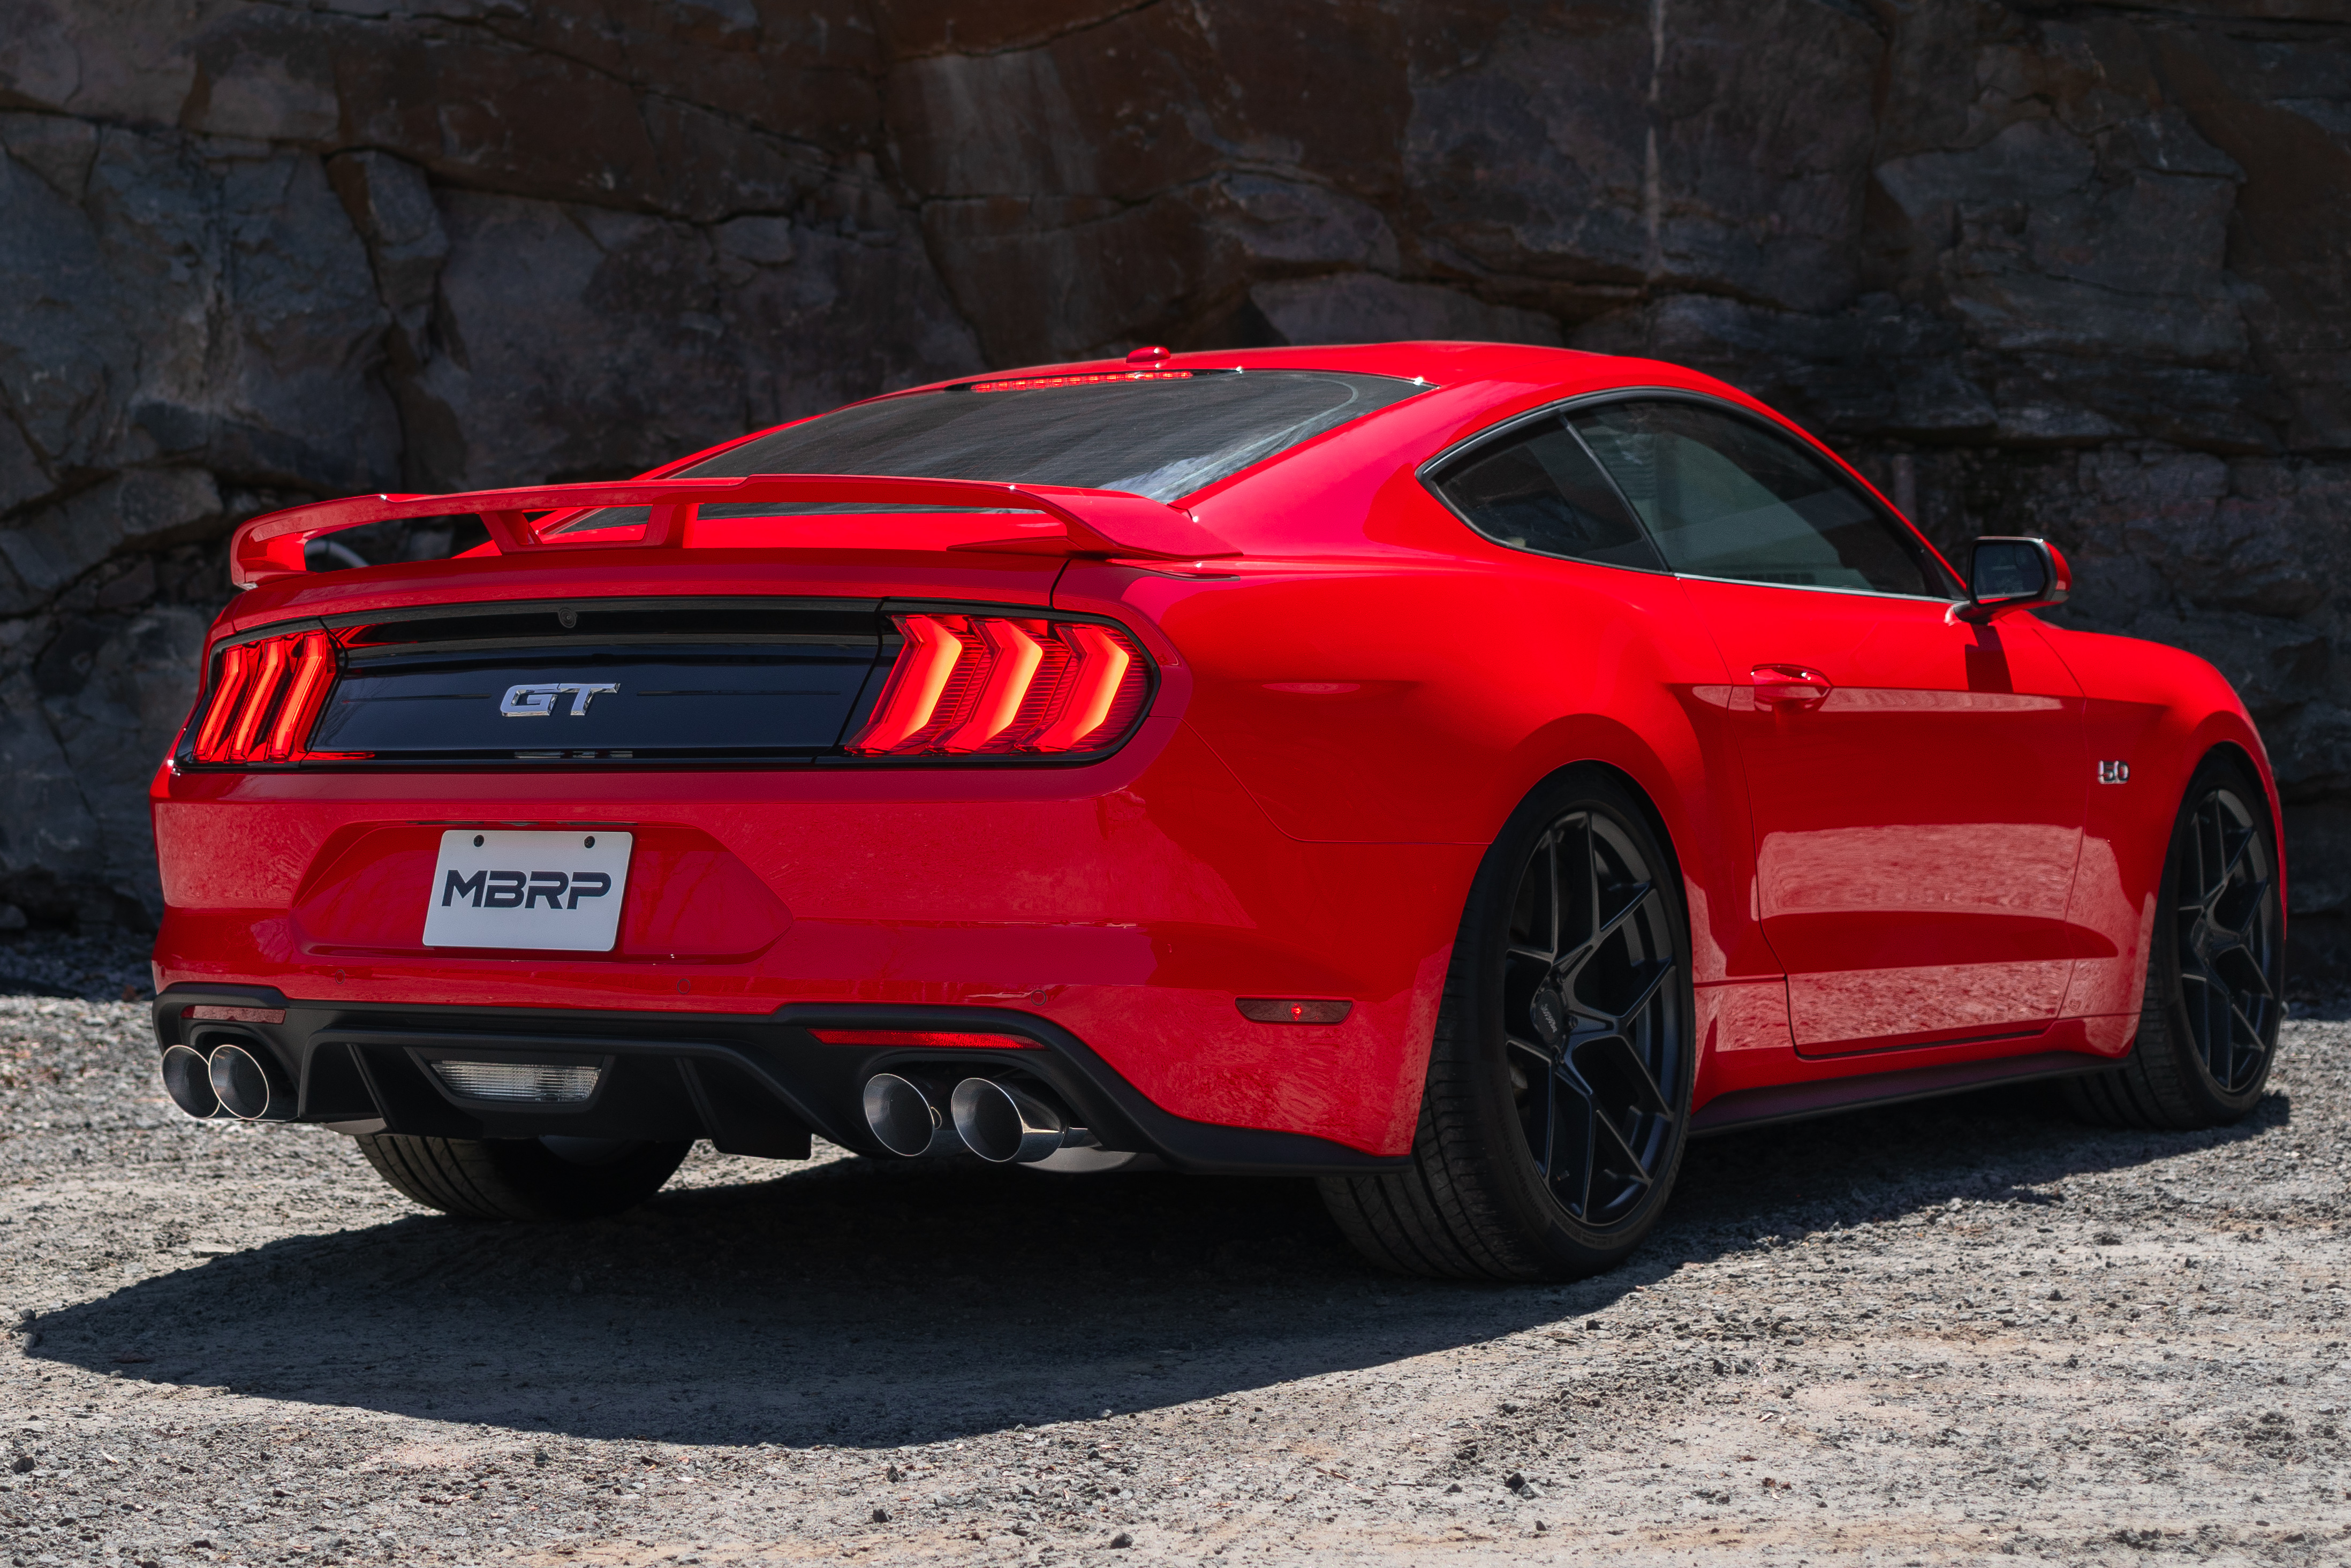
<point x="1162" y="438"/>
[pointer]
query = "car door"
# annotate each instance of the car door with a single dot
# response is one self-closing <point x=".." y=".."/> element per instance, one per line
<point x="1532" y="486"/>
<point x="1917" y="780"/>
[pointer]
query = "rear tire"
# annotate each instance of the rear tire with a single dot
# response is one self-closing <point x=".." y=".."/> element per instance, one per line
<point x="1557" y="1101"/>
<point x="524" y="1179"/>
<point x="2208" y="1029"/>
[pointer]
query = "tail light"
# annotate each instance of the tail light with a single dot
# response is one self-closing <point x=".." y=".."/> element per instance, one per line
<point x="991" y="685"/>
<point x="269" y="696"/>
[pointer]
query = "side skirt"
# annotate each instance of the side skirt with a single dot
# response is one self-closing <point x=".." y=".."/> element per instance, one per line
<point x="1747" y="1108"/>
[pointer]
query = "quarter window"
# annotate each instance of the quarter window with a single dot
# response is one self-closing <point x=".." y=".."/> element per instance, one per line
<point x="1538" y="489"/>
<point x="1726" y="499"/>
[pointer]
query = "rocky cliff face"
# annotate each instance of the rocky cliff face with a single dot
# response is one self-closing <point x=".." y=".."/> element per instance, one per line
<point x="2077" y="269"/>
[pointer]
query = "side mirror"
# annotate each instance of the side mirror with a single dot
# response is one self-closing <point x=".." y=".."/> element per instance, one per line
<point x="2006" y="574"/>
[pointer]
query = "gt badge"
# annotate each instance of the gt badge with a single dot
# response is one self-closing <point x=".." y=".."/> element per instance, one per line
<point x="2113" y="772"/>
<point x="536" y="699"/>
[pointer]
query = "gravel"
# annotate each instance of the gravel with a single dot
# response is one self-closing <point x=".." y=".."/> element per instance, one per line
<point x="94" y="969"/>
<point x="1962" y="1331"/>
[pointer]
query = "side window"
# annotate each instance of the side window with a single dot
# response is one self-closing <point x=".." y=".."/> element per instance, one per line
<point x="1538" y="489"/>
<point x="1726" y="499"/>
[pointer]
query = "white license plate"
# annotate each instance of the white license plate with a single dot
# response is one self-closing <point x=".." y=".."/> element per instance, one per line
<point x="531" y="889"/>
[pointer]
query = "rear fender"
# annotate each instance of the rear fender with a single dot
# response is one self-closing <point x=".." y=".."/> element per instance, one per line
<point x="1416" y="699"/>
<point x="1404" y="697"/>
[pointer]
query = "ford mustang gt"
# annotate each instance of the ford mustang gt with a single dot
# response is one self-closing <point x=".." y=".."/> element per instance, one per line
<point x="1460" y="773"/>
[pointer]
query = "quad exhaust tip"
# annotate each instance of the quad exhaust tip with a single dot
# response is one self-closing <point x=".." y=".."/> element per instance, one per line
<point x="248" y="1088"/>
<point x="1007" y="1126"/>
<point x="187" y="1078"/>
<point x="914" y="1114"/>
<point x="231" y="1081"/>
<point x="908" y="1115"/>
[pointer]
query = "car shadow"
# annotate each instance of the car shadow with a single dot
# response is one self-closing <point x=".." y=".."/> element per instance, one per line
<point x="1996" y="1146"/>
<point x="872" y="1303"/>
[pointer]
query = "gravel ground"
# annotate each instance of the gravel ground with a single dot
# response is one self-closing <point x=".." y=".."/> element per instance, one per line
<point x="1963" y="1331"/>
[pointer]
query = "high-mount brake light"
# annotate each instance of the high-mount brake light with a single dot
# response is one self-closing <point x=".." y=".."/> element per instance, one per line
<point x="267" y="700"/>
<point x="997" y="685"/>
<point x="1027" y="383"/>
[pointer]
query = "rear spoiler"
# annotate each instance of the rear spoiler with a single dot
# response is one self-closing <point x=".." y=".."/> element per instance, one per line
<point x="1076" y="522"/>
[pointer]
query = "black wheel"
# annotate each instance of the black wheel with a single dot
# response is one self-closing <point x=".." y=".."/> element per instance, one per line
<point x="1559" y="1082"/>
<point x="524" y="1179"/>
<point x="2215" y="974"/>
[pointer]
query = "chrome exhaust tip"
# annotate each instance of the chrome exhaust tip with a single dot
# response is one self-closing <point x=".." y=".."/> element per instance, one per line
<point x="908" y="1115"/>
<point x="187" y="1079"/>
<point x="1007" y="1126"/>
<point x="249" y="1088"/>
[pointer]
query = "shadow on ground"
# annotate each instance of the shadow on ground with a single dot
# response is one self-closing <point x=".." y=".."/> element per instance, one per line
<point x="870" y="1303"/>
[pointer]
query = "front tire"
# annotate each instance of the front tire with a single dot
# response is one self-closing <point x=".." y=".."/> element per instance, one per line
<point x="524" y="1179"/>
<point x="2208" y="1029"/>
<point x="1559" y="1081"/>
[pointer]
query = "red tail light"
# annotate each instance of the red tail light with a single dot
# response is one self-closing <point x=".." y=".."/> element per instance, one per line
<point x="261" y="692"/>
<point x="236" y="669"/>
<point x="314" y="671"/>
<point x="996" y="686"/>
<point x="268" y="697"/>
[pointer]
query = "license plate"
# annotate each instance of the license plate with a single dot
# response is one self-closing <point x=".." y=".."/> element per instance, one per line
<point x="543" y="891"/>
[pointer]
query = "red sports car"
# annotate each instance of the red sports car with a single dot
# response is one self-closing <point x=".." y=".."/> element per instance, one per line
<point x="1459" y="772"/>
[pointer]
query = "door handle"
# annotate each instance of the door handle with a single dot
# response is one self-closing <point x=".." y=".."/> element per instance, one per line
<point x="1790" y="685"/>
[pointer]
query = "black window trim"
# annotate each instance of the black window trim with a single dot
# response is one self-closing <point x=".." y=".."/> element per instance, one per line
<point x="1494" y="435"/>
<point x="1427" y="471"/>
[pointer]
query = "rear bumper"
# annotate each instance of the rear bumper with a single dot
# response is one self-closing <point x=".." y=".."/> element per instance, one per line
<point x="1116" y="910"/>
<point x="753" y="1084"/>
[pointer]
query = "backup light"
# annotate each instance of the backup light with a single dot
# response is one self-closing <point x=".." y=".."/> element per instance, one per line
<point x="528" y="1082"/>
<point x="998" y="686"/>
<point x="268" y="697"/>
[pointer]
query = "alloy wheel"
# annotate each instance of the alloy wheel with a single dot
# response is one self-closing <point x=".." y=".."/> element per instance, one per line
<point x="1591" y="1018"/>
<point x="2228" y="951"/>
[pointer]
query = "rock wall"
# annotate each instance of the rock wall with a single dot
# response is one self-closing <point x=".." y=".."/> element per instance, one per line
<point x="2071" y="269"/>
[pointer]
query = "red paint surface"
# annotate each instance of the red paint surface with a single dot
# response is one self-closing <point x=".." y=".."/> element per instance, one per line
<point x="1917" y="816"/>
<point x="1346" y="714"/>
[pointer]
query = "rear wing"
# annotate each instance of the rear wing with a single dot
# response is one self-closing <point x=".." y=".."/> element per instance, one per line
<point x="1070" y="521"/>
